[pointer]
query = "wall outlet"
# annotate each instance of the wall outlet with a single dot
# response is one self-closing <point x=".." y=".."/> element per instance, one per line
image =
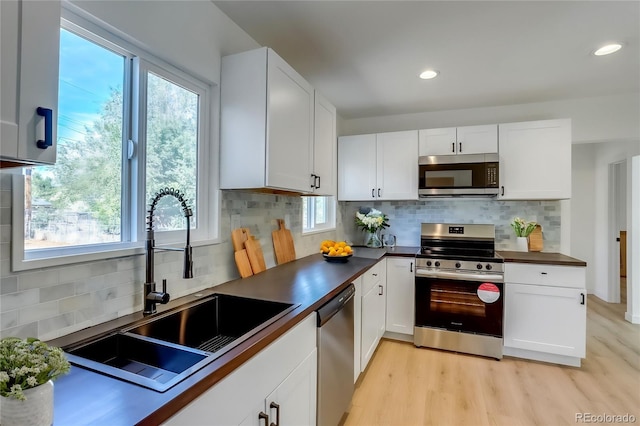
<point x="287" y="221"/>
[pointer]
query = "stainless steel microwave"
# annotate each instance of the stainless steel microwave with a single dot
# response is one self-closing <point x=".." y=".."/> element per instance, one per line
<point x="459" y="175"/>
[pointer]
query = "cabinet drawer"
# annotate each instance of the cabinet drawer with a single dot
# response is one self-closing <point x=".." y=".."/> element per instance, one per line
<point x="372" y="277"/>
<point x="548" y="275"/>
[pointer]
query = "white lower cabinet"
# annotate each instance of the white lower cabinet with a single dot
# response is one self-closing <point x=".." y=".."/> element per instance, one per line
<point x="357" y="330"/>
<point x="400" y="295"/>
<point x="373" y="311"/>
<point x="545" y="322"/>
<point x="278" y="382"/>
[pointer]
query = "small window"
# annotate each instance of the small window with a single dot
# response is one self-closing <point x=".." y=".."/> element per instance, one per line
<point x="318" y="214"/>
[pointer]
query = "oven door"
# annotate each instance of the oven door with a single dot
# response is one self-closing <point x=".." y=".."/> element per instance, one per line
<point x="456" y="304"/>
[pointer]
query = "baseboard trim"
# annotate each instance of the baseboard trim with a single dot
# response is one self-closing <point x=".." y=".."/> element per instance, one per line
<point x="633" y="319"/>
<point x="541" y="356"/>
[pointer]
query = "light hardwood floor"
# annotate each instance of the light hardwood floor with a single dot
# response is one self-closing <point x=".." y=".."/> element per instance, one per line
<point x="404" y="385"/>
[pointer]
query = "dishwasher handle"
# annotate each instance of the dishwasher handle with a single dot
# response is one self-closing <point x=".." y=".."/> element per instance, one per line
<point x="333" y="306"/>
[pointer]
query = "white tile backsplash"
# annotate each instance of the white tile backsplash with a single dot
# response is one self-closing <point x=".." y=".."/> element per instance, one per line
<point x="51" y="302"/>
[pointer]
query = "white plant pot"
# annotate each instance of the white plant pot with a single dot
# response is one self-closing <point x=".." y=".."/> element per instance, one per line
<point x="522" y="244"/>
<point x="36" y="410"/>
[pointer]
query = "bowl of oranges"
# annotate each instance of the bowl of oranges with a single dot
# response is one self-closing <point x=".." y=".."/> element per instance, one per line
<point x="338" y="252"/>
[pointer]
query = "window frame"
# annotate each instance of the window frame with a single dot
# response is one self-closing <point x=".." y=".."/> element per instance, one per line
<point x="330" y="212"/>
<point x="133" y="196"/>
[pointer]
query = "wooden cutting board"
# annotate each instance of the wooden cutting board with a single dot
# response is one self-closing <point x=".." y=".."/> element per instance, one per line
<point x="283" y="244"/>
<point x="238" y="237"/>
<point x="254" y="253"/>
<point x="243" y="264"/>
<point x="535" y="239"/>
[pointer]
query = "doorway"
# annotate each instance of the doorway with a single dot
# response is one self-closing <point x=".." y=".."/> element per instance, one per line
<point x="617" y="231"/>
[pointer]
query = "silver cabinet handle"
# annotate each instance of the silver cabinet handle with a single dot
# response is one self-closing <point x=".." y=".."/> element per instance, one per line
<point x="277" y="407"/>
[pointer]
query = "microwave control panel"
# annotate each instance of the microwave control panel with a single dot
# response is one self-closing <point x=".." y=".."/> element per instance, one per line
<point x="492" y="175"/>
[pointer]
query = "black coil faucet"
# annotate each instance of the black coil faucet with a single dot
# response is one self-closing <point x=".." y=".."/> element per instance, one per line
<point x="151" y="296"/>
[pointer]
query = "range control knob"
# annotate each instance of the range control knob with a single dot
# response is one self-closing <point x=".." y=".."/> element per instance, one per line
<point x="479" y="266"/>
<point x="437" y="264"/>
<point x="428" y="263"/>
<point x="489" y="267"/>
<point x="458" y="265"/>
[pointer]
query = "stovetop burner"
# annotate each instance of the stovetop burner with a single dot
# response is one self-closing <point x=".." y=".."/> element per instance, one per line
<point x="458" y="246"/>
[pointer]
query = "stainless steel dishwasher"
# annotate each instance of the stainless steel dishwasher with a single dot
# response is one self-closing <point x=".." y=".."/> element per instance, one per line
<point x="335" y="357"/>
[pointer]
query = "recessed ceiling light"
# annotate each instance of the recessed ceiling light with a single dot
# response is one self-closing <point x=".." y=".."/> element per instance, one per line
<point x="428" y="74"/>
<point x="608" y="49"/>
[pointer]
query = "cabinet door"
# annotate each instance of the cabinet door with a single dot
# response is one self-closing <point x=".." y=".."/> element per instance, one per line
<point x="477" y="139"/>
<point x="397" y="165"/>
<point x="293" y="402"/>
<point x="357" y="168"/>
<point x="535" y="160"/>
<point x="324" y="146"/>
<point x="400" y="295"/>
<point x="545" y="319"/>
<point x="9" y="43"/>
<point x="290" y="127"/>
<point x="382" y="300"/>
<point x="357" y="327"/>
<point x="370" y="325"/>
<point x="30" y="38"/>
<point x="437" y="141"/>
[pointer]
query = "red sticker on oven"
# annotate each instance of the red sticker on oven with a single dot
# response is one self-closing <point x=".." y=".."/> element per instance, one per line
<point x="488" y="292"/>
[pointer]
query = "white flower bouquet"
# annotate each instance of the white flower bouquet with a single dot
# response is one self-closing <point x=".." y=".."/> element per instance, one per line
<point x="28" y="363"/>
<point x="371" y="220"/>
<point x="522" y="227"/>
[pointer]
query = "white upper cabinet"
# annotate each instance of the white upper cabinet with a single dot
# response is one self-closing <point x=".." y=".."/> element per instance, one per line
<point x="266" y="128"/>
<point x="381" y="166"/>
<point x="535" y="160"/>
<point x="30" y="39"/>
<point x="459" y="140"/>
<point x="324" y="175"/>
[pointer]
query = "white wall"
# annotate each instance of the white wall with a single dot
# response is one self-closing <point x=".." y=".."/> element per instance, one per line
<point x="189" y="34"/>
<point x="600" y="119"/>
<point x="582" y="212"/>
<point x="633" y="251"/>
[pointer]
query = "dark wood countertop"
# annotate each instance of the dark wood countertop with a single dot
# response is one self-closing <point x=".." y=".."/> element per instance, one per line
<point x="86" y="397"/>
<point x="539" y="257"/>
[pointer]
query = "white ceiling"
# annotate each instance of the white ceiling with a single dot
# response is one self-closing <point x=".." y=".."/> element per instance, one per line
<point x="364" y="56"/>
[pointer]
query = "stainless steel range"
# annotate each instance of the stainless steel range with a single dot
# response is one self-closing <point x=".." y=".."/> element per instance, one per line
<point x="459" y="284"/>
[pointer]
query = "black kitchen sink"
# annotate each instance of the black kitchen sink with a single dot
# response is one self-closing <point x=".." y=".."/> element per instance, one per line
<point x="152" y="364"/>
<point x="169" y="347"/>
<point x="214" y="323"/>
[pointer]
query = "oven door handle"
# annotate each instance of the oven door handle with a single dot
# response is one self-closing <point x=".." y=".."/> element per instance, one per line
<point x="495" y="278"/>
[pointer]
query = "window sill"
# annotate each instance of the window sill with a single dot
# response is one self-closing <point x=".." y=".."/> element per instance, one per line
<point x="318" y="231"/>
<point x="64" y="259"/>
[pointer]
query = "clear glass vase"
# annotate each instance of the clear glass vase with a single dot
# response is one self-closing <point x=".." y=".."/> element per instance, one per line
<point x="372" y="239"/>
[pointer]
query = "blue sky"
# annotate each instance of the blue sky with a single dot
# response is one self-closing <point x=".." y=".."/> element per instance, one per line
<point x="88" y="72"/>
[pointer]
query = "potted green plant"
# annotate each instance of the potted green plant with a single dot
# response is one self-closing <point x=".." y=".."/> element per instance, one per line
<point x="522" y="229"/>
<point x="28" y="368"/>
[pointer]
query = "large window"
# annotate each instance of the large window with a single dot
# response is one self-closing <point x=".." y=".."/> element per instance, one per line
<point x="318" y="214"/>
<point x="129" y="125"/>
